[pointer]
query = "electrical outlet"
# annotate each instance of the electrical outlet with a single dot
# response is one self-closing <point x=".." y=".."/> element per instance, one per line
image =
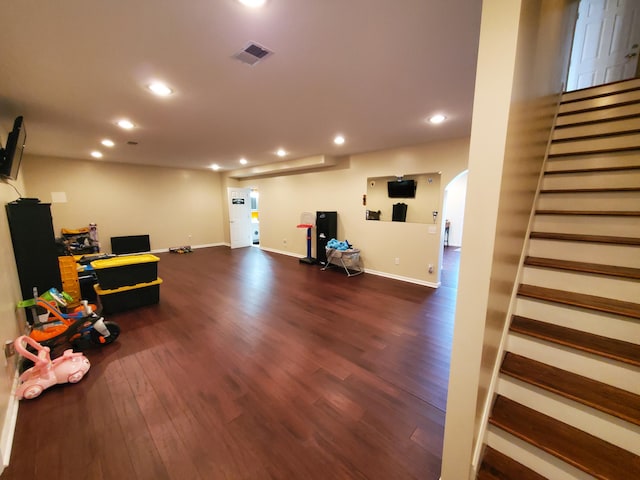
<point x="9" y="349"/>
<point x="397" y="261"/>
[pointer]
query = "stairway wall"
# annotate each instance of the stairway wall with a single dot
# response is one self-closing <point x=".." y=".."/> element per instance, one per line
<point x="567" y="395"/>
<point x="515" y="76"/>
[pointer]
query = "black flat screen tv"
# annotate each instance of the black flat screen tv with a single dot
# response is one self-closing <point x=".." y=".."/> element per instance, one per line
<point x="401" y="188"/>
<point x="11" y="155"/>
<point x="130" y="244"/>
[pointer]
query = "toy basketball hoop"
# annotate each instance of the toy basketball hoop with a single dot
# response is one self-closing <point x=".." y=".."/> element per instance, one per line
<point x="307" y="220"/>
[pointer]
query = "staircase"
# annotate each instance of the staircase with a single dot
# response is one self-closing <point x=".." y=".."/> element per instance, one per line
<point x="567" y="399"/>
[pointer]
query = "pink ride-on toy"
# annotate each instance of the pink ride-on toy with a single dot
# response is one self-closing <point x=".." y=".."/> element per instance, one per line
<point x="68" y="368"/>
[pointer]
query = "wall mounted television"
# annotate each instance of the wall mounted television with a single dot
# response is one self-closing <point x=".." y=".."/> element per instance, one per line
<point x="11" y="155"/>
<point x="401" y="188"/>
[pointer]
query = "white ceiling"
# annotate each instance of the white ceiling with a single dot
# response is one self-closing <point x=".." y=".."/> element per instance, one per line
<point x="372" y="70"/>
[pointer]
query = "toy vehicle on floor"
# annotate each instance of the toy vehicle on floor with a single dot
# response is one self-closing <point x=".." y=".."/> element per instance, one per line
<point x="83" y="327"/>
<point x="70" y="367"/>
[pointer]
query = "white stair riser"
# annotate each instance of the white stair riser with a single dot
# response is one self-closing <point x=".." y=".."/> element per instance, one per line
<point x="596" y="144"/>
<point x="610" y="372"/>
<point x="594" y="160"/>
<point x="599" y="102"/>
<point x="607" y="427"/>
<point x="598" y="115"/>
<point x="619" y="255"/>
<point x="535" y="459"/>
<point x="596" y="202"/>
<point x="611" y="326"/>
<point x="586" y="224"/>
<point x="601" y="90"/>
<point x="584" y="283"/>
<point x="600" y="128"/>
<point x="615" y="179"/>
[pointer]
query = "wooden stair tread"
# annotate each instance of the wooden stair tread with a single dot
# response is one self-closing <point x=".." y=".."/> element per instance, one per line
<point x="617" y="168"/>
<point x="594" y="152"/>
<point x="590" y="454"/>
<point x="595" y="136"/>
<point x="595" y="108"/>
<point x="607" y="213"/>
<point x="599" y="91"/>
<point x="582" y="123"/>
<point x="591" y="302"/>
<point x="596" y="268"/>
<point x="574" y="237"/>
<point x="605" y="398"/>
<point x="591" y="190"/>
<point x="497" y="466"/>
<point x="612" y="348"/>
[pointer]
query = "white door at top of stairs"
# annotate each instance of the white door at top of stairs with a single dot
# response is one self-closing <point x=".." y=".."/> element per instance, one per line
<point x="606" y="43"/>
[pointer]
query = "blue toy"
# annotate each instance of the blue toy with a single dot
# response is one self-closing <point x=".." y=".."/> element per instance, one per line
<point x="337" y="245"/>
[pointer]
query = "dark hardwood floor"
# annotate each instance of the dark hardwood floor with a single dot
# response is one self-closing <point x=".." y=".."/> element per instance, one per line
<point x="254" y="366"/>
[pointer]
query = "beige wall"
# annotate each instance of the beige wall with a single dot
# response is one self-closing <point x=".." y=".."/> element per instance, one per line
<point x="11" y="319"/>
<point x="174" y="206"/>
<point x="523" y="53"/>
<point x="283" y="198"/>
<point x="419" y="209"/>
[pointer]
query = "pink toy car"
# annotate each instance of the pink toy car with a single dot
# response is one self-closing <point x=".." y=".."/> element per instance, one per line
<point x="70" y="367"/>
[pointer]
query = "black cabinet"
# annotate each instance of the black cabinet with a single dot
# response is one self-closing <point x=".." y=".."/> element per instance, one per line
<point x="34" y="246"/>
<point x="326" y="229"/>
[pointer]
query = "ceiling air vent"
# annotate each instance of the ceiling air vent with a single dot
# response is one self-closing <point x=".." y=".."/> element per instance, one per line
<point x="252" y="54"/>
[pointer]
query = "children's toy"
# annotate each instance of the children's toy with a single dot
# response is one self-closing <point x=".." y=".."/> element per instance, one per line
<point x="79" y="241"/>
<point x="82" y="327"/>
<point x="183" y="249"/>
<point x="337" y="245"/>
<point x="307" y="221"/>
<point x="71" y="367"/>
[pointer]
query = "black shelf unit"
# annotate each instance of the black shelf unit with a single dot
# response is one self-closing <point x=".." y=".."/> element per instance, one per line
<point x="34" y="246"/>
<point x="326" y="229"/>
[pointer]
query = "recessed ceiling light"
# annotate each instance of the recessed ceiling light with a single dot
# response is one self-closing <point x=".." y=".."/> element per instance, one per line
<point x="243" y="161"/>
<point x="96" y="154"/>
<point x="126" y="124"/>
<point x="338" y="140"/>
<point x="253" y="3"/>
<point x="215" y="166"/>
<point x="107" y="143"/>
<point x="281" y="152"/>
<point x="160" y="89"/>
<point x="438" y="118"/>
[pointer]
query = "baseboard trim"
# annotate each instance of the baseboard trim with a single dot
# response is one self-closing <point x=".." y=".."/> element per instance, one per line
<point x="207" y="245"/>
<point x="416" y="281"/>
<point x="9" y="425"/>
<point x="281" y="252"/>
<point x="193" y="247"/>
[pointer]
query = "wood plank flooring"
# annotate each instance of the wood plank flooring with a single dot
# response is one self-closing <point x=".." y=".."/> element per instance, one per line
<point x="254" y="366"/>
